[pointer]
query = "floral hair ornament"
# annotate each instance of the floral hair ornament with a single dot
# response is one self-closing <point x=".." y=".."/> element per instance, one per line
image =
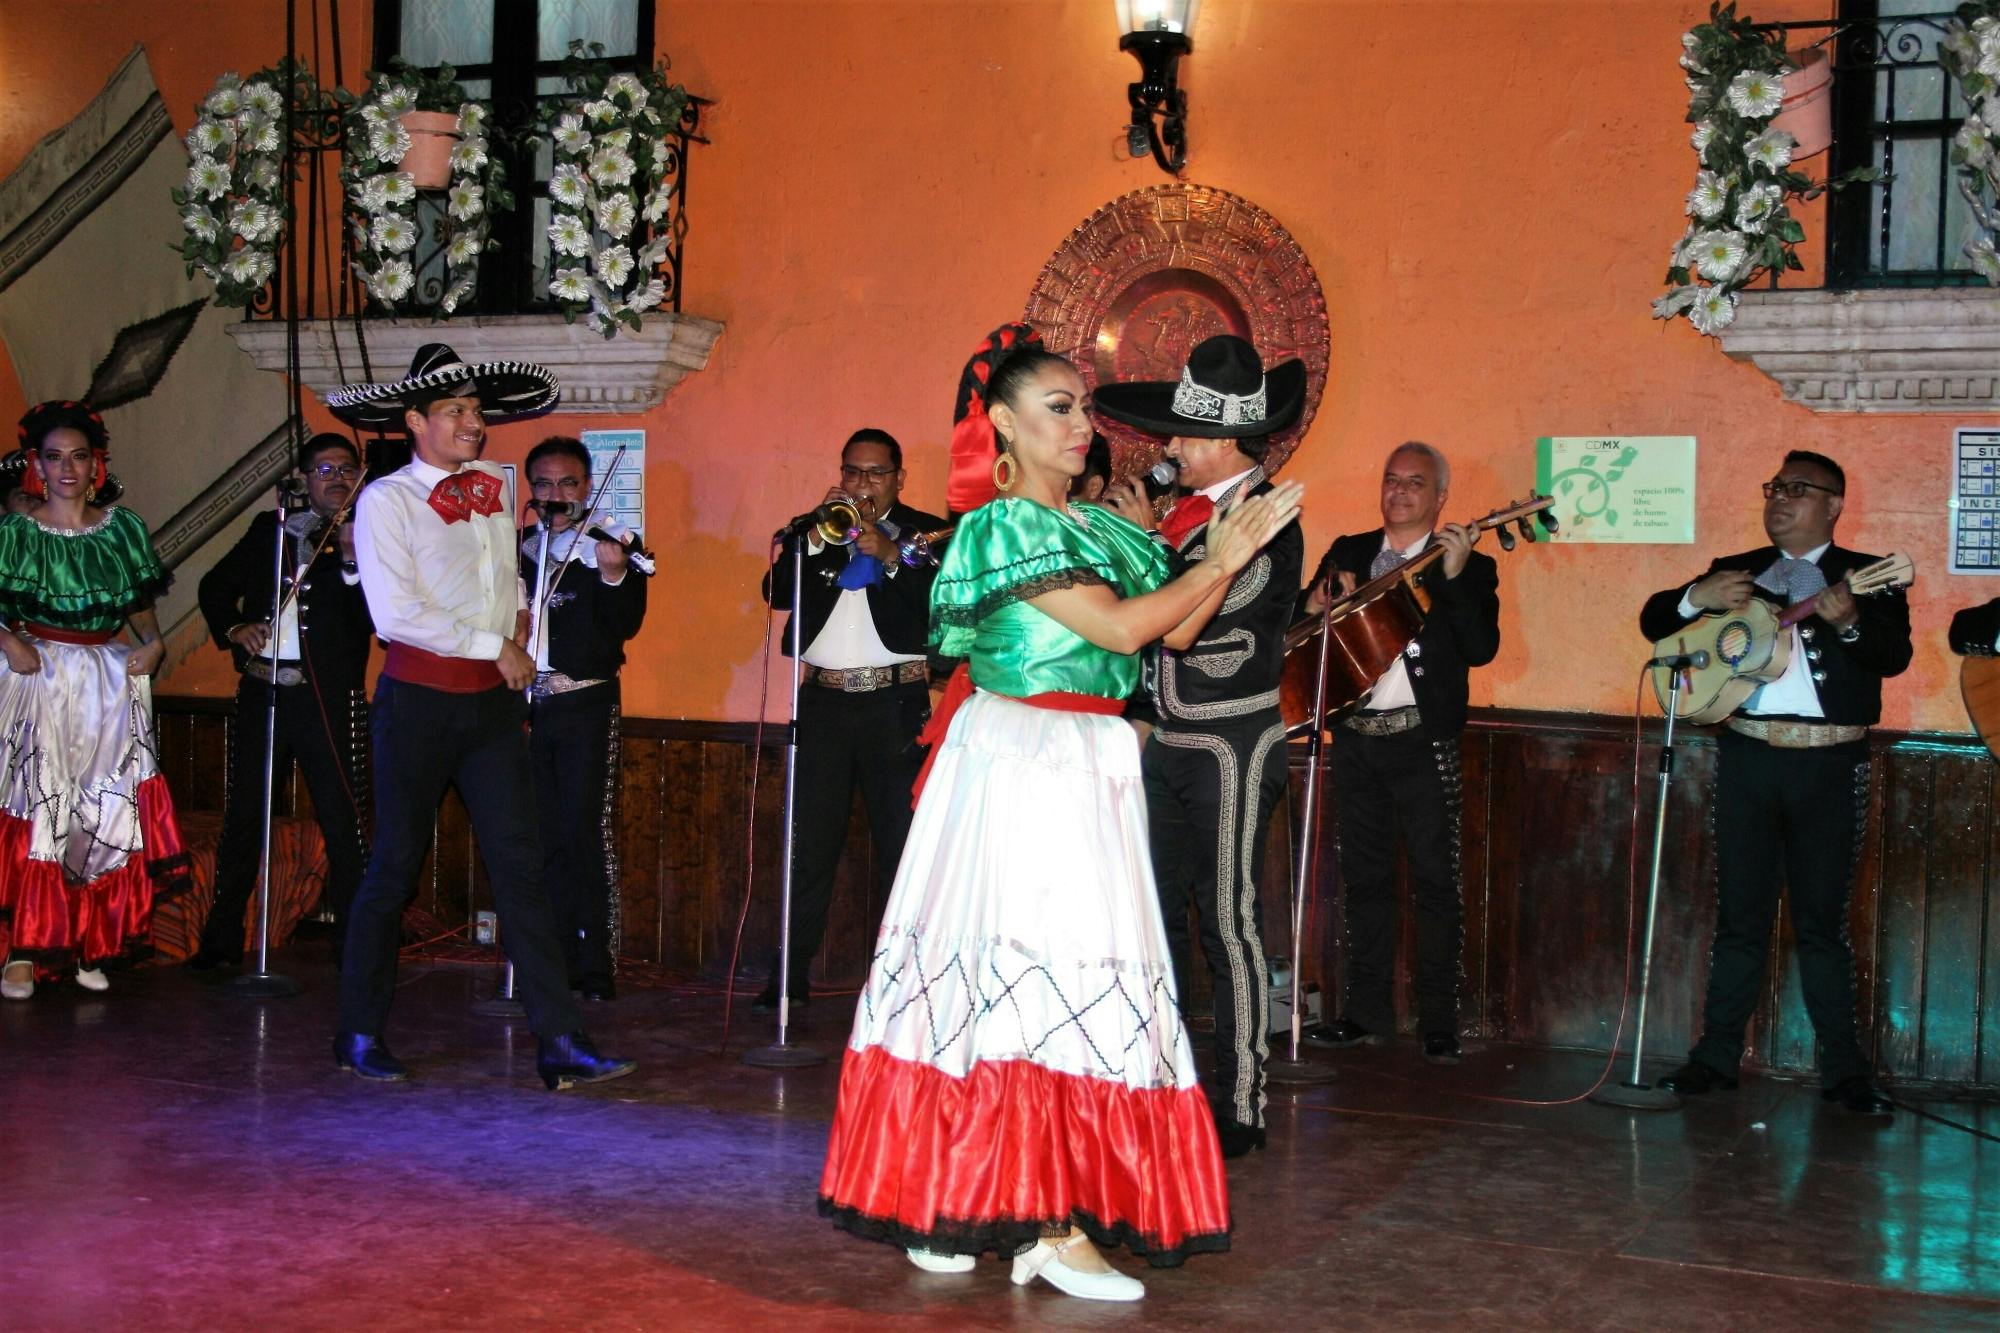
<point x="971" y="481"/>
<point x="59" y="414"/>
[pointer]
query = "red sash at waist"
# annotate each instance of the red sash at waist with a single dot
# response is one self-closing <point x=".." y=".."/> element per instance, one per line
<point x="86" y="638"/>
<point x="959" y="688"/>
<point x="453" y="675"/>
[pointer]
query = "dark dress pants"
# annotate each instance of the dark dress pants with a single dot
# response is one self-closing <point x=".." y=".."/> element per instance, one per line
<point x="869" y="740"/>
<point x="1209" y="797"/>
<point x="1385" y="789"/>
<point x="425" y="740"/>
<point x="1791" y="821"/>
<point x="319" y="733"/>
<point x="573" y="739"/>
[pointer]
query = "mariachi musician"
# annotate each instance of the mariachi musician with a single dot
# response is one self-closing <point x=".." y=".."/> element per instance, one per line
<point x="1215" y="764"/>
<point x="1791" y="780"/>
<point x="321" y="711"/>
<point x="1395" y="761"/>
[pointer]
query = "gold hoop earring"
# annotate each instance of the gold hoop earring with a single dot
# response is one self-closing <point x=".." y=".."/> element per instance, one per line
<point x="1005" y="463"/>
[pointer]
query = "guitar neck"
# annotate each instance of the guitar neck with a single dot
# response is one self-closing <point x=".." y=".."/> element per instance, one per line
<point x="1798" y="611"/>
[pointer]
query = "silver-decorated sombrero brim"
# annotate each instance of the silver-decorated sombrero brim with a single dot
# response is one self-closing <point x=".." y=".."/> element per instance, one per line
<point x="507" y="391"/>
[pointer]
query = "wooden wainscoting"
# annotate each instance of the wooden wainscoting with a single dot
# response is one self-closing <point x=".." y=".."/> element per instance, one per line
<point x="1547" y="836"/>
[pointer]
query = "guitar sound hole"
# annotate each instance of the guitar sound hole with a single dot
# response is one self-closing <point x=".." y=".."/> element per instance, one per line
<point x="1733" y="643"/>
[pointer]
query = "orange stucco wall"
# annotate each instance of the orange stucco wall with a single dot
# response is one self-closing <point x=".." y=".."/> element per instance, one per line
<point x="1488" y="192"/>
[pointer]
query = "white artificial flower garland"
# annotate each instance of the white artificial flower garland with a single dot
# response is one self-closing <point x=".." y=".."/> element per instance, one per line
<point x="232" y="204"/>
<point x="615" y="153"/>
<point x="382" y="199"/>
<point x="1972" y="53"/>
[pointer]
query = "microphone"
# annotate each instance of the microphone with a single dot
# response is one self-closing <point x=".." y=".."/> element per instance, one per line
<point x="1695" y="661"/>
<point x="568" y="509"/>
<point x="1159" y="478"/>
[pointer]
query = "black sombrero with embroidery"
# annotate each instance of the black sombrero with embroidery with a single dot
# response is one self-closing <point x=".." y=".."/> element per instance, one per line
<point x="506" y="389"/>
<point x="1224" y="393"/>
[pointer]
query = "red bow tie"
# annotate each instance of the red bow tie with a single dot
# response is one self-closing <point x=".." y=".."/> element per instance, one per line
<point x="1189" y="512"/>
<point x="463" y="494"/>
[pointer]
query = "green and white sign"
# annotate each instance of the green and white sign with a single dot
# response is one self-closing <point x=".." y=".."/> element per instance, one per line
<point x="1619" y="488"/>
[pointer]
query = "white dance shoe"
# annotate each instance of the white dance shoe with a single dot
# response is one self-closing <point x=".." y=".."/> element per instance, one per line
<point x="92" y="978"/>
<point x="17" y="980"/>
<point x="1044" y="1260"/>
<point x="933" y="1262"/>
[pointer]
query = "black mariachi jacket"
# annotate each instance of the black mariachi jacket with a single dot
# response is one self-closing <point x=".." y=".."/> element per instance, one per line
<point x="1229" y="676"/>
<point x="899" y="606"/>
<point x="1974" y="629"/>
<point x="590" y="621"/>
<point x="334" y="627"/>
<point x="1848" y="676"/>
<point x="1461" y="630"/>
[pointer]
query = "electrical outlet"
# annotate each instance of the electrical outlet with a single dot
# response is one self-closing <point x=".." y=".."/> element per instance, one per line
<point x="485" y="927"/>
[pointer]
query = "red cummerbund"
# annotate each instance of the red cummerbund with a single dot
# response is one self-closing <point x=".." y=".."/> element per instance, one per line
<point x="453" y="675"/>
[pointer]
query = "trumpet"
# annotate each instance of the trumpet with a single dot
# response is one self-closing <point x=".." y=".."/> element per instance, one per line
<point x="836" y="521"/>
<point x="920" y="548"/>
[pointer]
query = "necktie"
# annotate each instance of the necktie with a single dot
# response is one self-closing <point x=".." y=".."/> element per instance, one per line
<point x="1793" y="579"/>
<point x="462" y="494"/>
<point x="1385" y="560"/>
<point x="1189" y="512"/>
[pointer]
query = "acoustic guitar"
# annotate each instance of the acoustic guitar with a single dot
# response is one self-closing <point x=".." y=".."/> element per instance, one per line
<point x="1369" y="629"/>
<point x="1979" y="683"/>
<point x="1751" y="645"/>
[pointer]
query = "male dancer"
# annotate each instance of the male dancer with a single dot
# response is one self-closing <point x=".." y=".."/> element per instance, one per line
<point x="1215" y="764"/>
<point x="436" y="544"/>
<point x="319" y="682"/>
<point x="1395" y="766"/>
<point x="1791" y="780"/>
<point x="592" y="603"/>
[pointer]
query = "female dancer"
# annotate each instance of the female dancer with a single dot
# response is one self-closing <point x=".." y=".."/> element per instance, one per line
<point x="1018" y="1079"/>
<point x="87" y="829"/>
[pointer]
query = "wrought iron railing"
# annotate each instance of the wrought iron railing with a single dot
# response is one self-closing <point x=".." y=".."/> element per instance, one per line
<point x="1895" y="108"/>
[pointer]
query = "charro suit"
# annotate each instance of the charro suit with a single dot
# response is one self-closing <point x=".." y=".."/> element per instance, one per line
<point x="1406" y="785"/>
<point x="1214" y="770"/>
<point x="1793" y="818"/>
<point x="322" y="721"/>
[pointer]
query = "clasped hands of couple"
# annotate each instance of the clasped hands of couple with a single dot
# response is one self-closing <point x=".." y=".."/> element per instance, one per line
<point x="1237" y="532"/>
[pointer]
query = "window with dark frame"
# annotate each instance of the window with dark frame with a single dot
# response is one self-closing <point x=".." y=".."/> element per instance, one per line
<point x="1896" y="108"/>
<point x="511" y="52"/>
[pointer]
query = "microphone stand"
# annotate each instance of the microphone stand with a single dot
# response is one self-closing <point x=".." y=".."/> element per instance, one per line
<point x="1634" y="1093"/>
<point x="1292" y="1067"/>
<point x="782" y="1054"/>
<point x="263" y="984"/>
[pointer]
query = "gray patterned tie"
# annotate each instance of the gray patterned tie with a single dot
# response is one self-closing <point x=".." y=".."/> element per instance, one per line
<point x="1385" y="560"/>
<point x="1793" y="579"/>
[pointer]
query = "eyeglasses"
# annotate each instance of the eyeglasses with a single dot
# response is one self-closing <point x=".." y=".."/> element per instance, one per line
<point x="1795" y="490"/>
<point x="865" y="473"/>
<point x="345" y="471"/>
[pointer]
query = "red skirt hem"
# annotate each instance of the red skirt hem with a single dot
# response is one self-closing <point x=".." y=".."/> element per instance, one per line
<point x="984" y="1162"/>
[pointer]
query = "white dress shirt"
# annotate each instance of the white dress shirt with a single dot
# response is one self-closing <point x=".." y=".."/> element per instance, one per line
<point x="1792" y="694"/>
<point x="1393" y="688"/>
<point x="1221" y="488"/>
<point x="849" y="637"/>
<point x="449" y="588"/>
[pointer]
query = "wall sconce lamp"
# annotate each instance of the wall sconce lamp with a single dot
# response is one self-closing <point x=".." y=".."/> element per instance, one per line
<point x="1156" y="33"/>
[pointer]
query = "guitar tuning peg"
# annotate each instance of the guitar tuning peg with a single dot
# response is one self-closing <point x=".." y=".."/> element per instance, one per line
<point x="1548" y="518"/>
<point x="1506" y="537"/>
<point x="1527" y="530"/>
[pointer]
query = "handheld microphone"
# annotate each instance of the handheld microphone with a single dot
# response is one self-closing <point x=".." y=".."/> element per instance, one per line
<point x="1159" y="478"/>
<point x="1695" y="661"/>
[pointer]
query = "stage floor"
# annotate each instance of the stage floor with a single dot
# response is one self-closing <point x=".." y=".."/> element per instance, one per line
<point x="175" y="1157"/>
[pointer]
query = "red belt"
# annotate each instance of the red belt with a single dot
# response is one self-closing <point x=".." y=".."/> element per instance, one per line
<point x="959" y="688"/>
<point x="86" y="638"/>
<point x="453" y="675"/>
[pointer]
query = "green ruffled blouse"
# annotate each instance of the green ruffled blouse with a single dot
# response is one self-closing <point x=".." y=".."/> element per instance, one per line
<point x="88" y="580"/>
<point x="1011" y="550"/>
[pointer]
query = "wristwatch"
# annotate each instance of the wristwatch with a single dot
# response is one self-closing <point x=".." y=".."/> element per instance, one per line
<point x="1850" y="634"/>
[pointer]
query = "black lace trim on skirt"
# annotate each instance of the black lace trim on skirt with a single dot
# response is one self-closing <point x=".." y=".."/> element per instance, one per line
<point x="1006" y="1237"/>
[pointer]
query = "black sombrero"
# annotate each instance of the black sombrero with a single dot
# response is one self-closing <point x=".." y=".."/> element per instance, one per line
<point x="505" y="389"/>
<point x="1224" y="393"/>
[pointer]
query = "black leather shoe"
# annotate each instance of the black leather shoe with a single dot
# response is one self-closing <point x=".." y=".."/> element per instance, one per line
<point x="1858" y="1093"/>
<point x="369" y="1058"/>
<point x="1442" y="1048"/>
<point x="1236" y="1138"/>
<point x="598" y="992"/>
<point x="564" y="1062"/>
<point x="1340" y="1034"/>
<point x="768" y="997"/>
<point x="206" y="959"/>
<point x="1694" y="1078"/>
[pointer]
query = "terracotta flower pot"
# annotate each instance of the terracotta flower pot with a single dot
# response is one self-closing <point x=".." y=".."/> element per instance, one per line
<point x="433" y="134"/>
<point x="1807" y="113"/>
